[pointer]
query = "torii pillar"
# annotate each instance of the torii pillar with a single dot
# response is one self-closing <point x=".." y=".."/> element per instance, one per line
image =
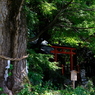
<point x="63" y="51"/>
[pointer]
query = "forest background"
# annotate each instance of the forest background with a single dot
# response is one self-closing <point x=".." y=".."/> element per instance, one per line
<point x="32" y="27"/>
<point x="59" y="22"/>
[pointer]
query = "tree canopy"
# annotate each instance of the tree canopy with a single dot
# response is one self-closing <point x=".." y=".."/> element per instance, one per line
<point x="63" y="22"/>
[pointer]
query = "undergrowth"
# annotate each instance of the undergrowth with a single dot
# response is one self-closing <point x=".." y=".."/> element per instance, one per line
<point x="47" y="89"/>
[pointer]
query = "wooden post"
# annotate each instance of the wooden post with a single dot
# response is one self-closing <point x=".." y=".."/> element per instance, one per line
<point x="55" y="57"/>
<point x="73" y="84"/>
<point x="71" y="62"/>
<point x="78" y="68"/>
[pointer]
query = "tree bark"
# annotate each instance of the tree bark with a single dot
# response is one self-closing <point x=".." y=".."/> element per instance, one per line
<point x="12" y="44"/>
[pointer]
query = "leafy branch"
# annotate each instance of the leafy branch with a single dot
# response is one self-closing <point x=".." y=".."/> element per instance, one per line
<point x="53" y="21"/>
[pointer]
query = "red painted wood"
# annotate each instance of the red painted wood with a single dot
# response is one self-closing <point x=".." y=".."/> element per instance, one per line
<point x="55" y="58"/>
<point x="71" y="62"/>
<point x="62" y="69"/>
<point x="63" y="47"/>
<point x="62" y="52"/>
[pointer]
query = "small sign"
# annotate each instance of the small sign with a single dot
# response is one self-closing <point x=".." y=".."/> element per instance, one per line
<point x="74" y="75"/>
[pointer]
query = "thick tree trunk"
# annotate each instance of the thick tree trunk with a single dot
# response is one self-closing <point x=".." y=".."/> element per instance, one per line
<point x="12" y="45"/>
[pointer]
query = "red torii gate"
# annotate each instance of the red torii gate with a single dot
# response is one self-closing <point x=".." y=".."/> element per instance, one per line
<point x="64" y="50"/>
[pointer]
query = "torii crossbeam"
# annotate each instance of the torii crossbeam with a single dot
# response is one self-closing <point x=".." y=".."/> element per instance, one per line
<point x="64" y="50"/>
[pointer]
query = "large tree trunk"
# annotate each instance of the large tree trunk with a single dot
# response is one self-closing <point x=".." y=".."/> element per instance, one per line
<point x="12" y="45"/>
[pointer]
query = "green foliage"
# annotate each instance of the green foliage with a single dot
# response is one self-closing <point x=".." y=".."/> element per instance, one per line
<point x="26" y="90"/>
<point x="38" y="64"/>
<point x="10" y="73"/>
<point x="35" y="78"/>
<point x="47" y="89"/>
<point x="90" y="87"/>
<point x="69" y="29"/>
<point x="11" y="66"/>
<point x="1" y="90"/>
<point x="27" y="1"/>
<point x="72" y="25"/>
<point x="10" y="69"/>
<point x="47" y="8"/>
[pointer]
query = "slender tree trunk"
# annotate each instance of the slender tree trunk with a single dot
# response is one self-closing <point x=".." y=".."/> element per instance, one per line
<point x="12" y="44"/>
